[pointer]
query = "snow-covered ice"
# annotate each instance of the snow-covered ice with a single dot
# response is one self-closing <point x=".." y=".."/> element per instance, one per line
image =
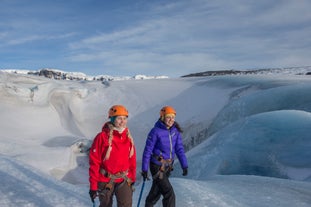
<point x="257" y="152"/>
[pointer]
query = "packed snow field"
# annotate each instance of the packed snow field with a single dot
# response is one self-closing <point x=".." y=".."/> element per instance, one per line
<point x="247" y="136"/>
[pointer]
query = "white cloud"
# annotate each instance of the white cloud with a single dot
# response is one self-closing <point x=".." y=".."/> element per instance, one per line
<point x="33" y="38"/>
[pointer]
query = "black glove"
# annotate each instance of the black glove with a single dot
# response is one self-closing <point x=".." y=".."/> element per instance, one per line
<point x="145" y="175"/>
<point x="93" y="194"/>
<point x="185" y="171"/>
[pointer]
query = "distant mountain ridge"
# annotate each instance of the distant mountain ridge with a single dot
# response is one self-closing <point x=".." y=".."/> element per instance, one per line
<point x="63" y="75"/>
<point x="304" y="70"/>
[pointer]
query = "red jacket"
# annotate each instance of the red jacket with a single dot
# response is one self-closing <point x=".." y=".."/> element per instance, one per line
<point x="120" y="158"/>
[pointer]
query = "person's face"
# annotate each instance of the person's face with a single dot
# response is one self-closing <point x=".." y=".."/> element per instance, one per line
<point x="169" y="120"/>
<point x="120" y="122"/>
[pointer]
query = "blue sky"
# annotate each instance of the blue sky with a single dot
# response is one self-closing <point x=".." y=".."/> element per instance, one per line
<point x="164" y="37"/>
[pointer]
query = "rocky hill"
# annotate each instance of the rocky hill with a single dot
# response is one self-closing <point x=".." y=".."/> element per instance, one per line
<point x="63" y="75"/>
<point x="306" y="70"/>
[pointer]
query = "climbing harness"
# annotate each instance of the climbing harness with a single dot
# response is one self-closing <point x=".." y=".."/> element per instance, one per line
<point x="166" y="166"/>
<point x="113" y="177"/>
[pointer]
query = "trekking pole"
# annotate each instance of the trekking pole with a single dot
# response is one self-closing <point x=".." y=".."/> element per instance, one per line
<point x="94" y="201"/>
<point x="141" y="193"/>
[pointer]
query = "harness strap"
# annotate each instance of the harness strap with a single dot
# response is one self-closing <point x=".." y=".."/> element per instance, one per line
<point x="166" y="165"/>
<point x="115" y="176"/>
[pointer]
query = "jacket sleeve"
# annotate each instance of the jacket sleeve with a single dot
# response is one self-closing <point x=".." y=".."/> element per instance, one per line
<point x="180" y="152"/>
<point x="150" y="143"/>
<point x="95" y="158"/>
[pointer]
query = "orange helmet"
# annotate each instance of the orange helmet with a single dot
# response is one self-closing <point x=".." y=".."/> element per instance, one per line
<point x="167" y="110"/>
<point x="117" y="110"/>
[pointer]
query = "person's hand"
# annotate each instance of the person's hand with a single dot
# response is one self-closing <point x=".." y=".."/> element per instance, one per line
<point x="185" y="171"/>
<point x="145" y="175"/>
<point x="93" y="194"/>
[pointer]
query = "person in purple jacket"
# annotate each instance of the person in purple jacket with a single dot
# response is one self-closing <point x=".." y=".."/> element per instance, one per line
<point x="163" y="143"/>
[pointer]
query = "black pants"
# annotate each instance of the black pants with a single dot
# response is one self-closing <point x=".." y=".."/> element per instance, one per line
<point x="160" y="187"/>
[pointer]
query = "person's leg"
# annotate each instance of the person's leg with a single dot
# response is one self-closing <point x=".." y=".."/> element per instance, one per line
<point x="124" y="194"/>
<point x="166" y="189"/>
<point x="161" y="186"/>
<point x="105" y="195"/>
<point x="153" y="195"/>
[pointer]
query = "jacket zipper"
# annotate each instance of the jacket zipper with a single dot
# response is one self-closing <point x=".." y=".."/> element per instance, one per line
<point x="171" y="145"/>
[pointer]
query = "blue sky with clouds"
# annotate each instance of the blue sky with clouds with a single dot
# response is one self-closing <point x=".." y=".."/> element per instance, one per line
<point x="163" y="37"/>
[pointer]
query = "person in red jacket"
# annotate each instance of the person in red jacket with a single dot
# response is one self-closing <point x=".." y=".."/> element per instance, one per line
<point x="112" y="161"/>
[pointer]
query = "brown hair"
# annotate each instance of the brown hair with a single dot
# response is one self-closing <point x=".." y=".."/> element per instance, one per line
<point x="178" y="127"/>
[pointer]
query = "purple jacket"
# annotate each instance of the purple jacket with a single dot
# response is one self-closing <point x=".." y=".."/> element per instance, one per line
<point x="163" y="142"/>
